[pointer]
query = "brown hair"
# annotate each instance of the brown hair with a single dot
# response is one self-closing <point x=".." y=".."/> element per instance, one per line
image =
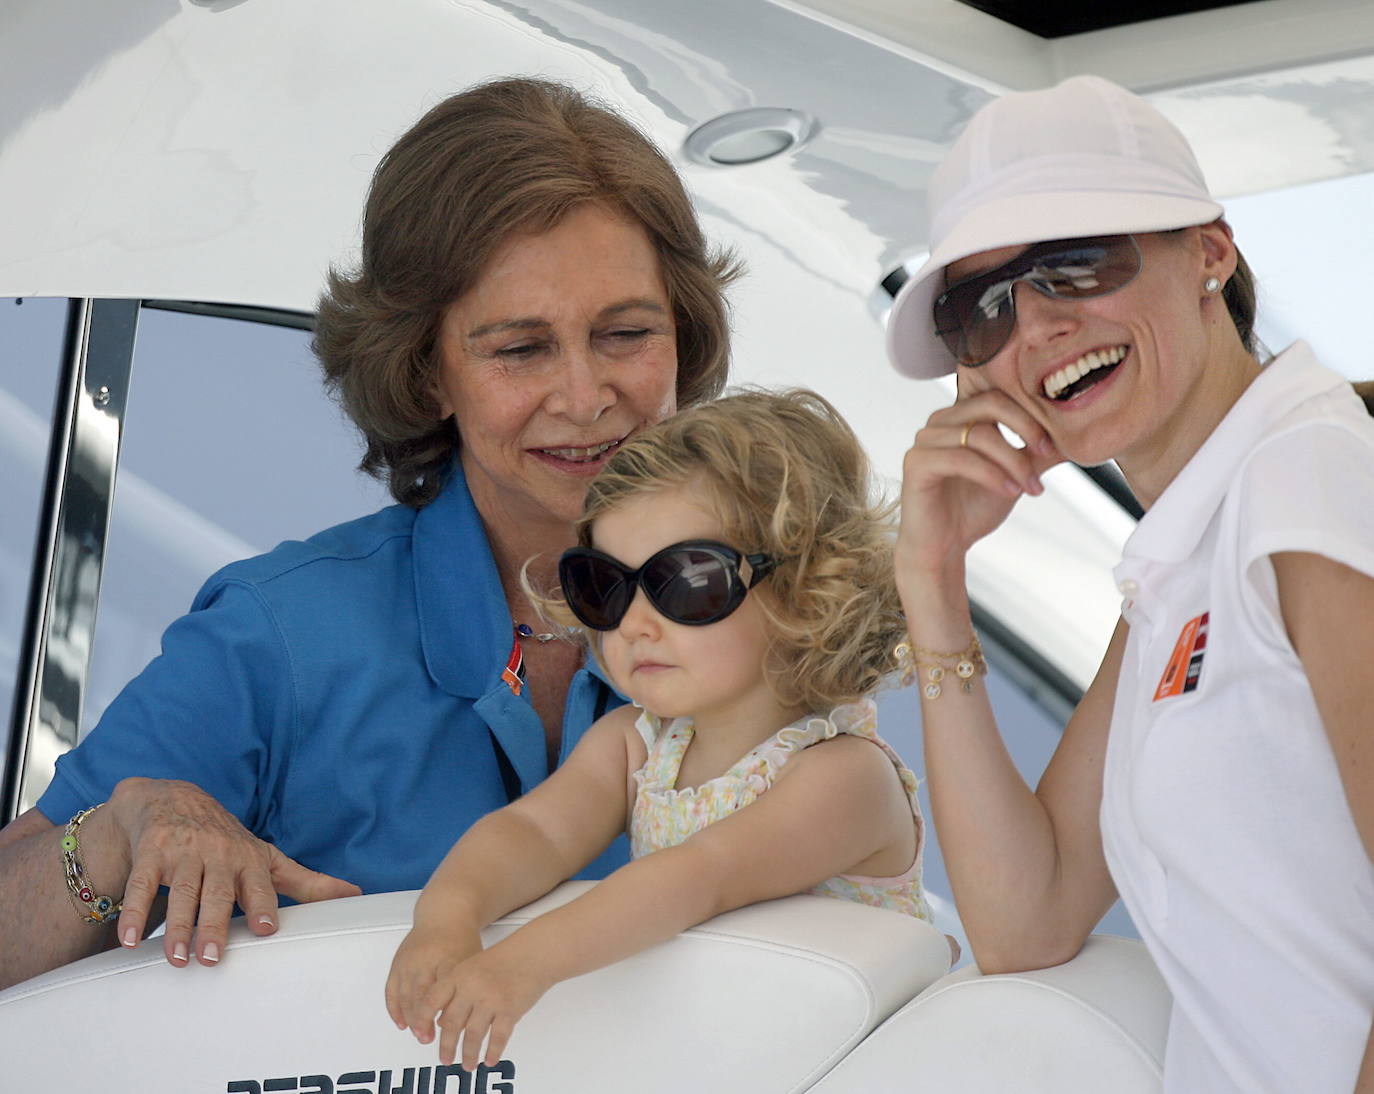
<point x="787" y="477"/>
<point x="1239" y="295"/>
<point x="504" y="158"/>
<point x="1365" y="390"/>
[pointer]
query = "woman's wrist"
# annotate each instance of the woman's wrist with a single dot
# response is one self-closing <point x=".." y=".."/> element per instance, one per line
<point x="937" y="607"/>
<point x="105" y="853"/>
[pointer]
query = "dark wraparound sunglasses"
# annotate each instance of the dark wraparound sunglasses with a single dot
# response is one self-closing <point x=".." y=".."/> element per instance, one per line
<point x="976" y="316"/>
<point x="694" y="582"/>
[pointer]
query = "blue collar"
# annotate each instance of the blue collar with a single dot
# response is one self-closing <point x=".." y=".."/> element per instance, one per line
<point x="466" y="633"/>
<point x="465" y="624"/>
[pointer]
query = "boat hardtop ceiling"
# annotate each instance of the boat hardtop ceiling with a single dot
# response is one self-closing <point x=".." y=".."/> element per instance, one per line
<point x="218" y="150"/>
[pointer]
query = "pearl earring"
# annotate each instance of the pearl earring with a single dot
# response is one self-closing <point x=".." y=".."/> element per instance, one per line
<point x="1212" y="285"/>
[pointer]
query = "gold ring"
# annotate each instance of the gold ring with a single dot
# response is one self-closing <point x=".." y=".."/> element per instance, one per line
<point x="963" y="437"/>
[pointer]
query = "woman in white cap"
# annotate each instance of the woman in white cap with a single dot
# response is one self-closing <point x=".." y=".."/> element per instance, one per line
<point x="1219" y="772"/>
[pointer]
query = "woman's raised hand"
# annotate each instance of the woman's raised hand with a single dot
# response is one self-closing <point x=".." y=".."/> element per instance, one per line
<point x="961" y="478"/>
<point x="180" y="837"/>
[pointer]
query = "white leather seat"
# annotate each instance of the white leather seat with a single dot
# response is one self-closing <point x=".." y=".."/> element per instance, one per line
<point x="766" y="998"/>
<point x="1097" y="1023"/>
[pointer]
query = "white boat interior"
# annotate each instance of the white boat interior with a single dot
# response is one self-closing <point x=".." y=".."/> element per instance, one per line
<point x="822" y="995"/>
<point x="178" y="175"/>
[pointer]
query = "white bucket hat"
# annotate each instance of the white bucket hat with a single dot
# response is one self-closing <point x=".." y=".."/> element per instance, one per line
<point x="1083" y="158"/>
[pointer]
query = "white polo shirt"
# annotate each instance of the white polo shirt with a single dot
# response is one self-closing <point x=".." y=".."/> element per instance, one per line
<point x="1224" y="821"/>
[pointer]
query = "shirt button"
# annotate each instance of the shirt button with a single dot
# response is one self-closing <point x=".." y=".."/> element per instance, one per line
<point x="1129" y="587"/>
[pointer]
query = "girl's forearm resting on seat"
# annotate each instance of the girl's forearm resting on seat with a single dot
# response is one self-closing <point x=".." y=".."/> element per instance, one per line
<point x="502" y="862"/>
<point x="812" y="813"/>
<point x="441" y="966"/>
<point x="518" y="853"/>
<point x="645" y="902"/>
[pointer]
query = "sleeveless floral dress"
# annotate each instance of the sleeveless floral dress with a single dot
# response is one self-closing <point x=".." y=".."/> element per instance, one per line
<point x="664" y="816"/>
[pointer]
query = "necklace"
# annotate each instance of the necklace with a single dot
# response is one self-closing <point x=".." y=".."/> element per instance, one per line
<point x="524" y="630"/>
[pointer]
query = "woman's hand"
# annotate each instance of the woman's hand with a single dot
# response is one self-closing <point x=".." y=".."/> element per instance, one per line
<point x="961" y="478"/>
<point x="477" y="994"/>
<point x="180" y="837"/>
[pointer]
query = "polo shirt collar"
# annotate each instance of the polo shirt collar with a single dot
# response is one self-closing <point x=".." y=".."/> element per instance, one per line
<point x="465" y="625"/>
<point x="1172" y="528"/>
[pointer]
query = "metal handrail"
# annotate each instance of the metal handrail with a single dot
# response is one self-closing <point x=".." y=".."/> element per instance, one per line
<point x="69" y="550"/>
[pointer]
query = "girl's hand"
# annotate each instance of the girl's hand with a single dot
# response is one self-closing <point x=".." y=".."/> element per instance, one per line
<point x="426" y="956"/>
<point x="961" y="478"/>
<point x="477" y="994"/>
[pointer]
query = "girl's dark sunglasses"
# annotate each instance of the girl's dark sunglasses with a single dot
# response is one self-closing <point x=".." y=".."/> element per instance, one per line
<point x="976" y="316"/>
<point x="694" y="582"/>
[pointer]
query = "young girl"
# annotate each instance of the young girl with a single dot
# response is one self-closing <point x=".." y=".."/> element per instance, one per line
<point x="736" y="583"/>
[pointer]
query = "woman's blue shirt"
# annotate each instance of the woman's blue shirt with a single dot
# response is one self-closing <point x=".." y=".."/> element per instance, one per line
<point x="343" y="697"/>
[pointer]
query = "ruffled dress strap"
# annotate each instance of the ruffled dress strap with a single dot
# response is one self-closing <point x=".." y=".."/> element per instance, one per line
<point x="665" y="744"/>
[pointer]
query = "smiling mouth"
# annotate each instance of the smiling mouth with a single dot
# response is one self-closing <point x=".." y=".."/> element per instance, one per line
<point x="582" y="455"/>
<point x="1074" y="379"/>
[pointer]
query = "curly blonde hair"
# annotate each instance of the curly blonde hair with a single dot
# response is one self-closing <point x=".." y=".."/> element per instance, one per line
<point x="787" y="477"/>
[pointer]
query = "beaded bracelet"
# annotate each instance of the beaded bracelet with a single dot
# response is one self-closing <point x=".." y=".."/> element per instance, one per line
<point x="92" y="907"/>
<point x="965" y="664"/>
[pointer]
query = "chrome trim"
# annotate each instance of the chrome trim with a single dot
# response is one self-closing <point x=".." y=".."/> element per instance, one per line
<point x="275" y="317"/>
<point x="69" y="553"/>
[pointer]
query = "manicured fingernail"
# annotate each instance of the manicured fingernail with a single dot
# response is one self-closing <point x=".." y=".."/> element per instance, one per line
<point x="179" y="952"/>
<point x="130" y="938"/>
<point x="210" y="954"/>
<point x="265" y="921"/>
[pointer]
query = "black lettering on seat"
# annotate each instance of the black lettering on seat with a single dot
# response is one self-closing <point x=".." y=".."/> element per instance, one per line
<point x="444" y="1072"/>
<point x="504" y="1069"/>
<point x="407" y="1082"/>
<point x="350" y="1077"/>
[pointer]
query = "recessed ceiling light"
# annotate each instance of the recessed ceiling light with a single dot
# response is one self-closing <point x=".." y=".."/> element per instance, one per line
<point x="748" y="136"/>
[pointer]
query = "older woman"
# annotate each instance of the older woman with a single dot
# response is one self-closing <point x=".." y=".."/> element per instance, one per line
<point x="534" y="289"/>
<point x="1217" y="774"/>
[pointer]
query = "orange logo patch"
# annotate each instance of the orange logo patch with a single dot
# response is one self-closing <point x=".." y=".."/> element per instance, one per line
<point x="1185" y="664"/>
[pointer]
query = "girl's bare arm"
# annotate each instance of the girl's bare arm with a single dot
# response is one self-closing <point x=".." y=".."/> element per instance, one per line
<point x="509" y="858"/>
<point x="829" y="814"/>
